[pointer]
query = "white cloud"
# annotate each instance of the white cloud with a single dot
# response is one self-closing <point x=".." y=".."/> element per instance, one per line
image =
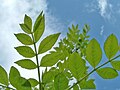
<point x="105" y="9"/>
<point x="102" y="30"/>
<point x="11" y="14"/>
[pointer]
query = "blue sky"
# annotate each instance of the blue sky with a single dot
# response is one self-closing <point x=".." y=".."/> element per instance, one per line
<point x="103" y="16"/>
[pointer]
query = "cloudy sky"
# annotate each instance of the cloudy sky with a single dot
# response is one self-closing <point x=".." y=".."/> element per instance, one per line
<point x="103" y="16"/>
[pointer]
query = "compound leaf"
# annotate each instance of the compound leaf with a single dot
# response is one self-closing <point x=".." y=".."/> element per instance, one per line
<point x="93" y="53"/>
<point x="27" y="64"/>
<point x="111" y="46"/>
<point x="3" y="76"/>
<point x="24" y="39"/>
<point x="25" y="51"/>
<point x="47" y="43"/>
<point x="107" y="73"/>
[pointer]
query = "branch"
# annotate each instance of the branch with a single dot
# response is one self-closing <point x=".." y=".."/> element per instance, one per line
<point x="7" y="87"/>
<point x="93" y="71"/>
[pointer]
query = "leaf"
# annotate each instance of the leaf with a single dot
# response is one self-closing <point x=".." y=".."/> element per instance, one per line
<point x="47" y="43"/>
<point x="33" y="82"/>
<point x="39" y="27"/>
<point x="50" y="59"/>
<point x="76" y="87"/>
<point x="13" y="76"/>
<point x="3" y="76"/>
<point x="111" y="46"/>
<point x="60" y="82"/>
<point x="17" y="81"/>
<point x="28" y="21"/>
<point x="24" y="39"/>
<point x="25" y="51"/>
<point x="27" y="64"/>
<point x="93" y="53"/>
<point x="76" y="65"/>
<point x="107" y="73"/>
<point x="116" y="65"/>
<point x="87" y="84"/>
<point x="25" y="28"/>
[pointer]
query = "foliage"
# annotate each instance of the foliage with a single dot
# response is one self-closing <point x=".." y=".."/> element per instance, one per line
<point x="66" y="63"/>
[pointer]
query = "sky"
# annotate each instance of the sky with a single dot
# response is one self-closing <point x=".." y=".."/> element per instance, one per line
<point x="103" y="16"/>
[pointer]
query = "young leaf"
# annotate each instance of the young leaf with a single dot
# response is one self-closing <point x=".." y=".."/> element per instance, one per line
<point x="60" y="82"/>
<point x="25" y="28"/>
<point x="28" y="21"/>
<point x="107" y="73"/>
<point x="3" y="76"/>
<point x="13" y="76"/>
<point x="50" y="59"/>
<point x="27" y="64"/>
<point x="48" y="42"/>
<point x="39" y="27"/>
<point x="88" y="84"/>
<point x="76" y="65"/>
<point x="33" y="82"/>
<point x="93" y="53"/>
<point x="111" y="46"/>
<point x="24" y="39"/>
<point x="25" y="51"/>
<point x="116" y="65"/>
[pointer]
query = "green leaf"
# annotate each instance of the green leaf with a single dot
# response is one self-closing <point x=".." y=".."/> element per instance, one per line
<point x="28" y="21"/>
<point x="116" y="65"/>
<point x="25" y="28"/>
<point x="107" y="73"/>
<point x="25" y="51"/>
<point x="17" y="81"/>
<point x="50" y="59"/>
<point x="93" y="53"/>
<point x="39" y="27"/>
<point x="76" y="87"/>
<point x="27" y="64"/>
<point x="76" y="65"/>
<point x="111" y="46"/>
<point x="33" y="82"/>
<point x="3" y="76"/>
<point x="13" y="76"/>
<point x="60" y="82"/>
<point x="24" y="39"/>
<point x="47" y="43"/>
<point x="88" y="84"/>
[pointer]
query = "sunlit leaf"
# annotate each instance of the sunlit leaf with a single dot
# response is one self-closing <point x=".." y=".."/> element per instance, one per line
<point x="107" y="73"/>
<point x="26" y="63"/>
<point x="33" y="82"/>
<point x="3" y="76"/>
<point x="24" y="39"/>
<point x="87" y="84"/>
<point x="47" y="43"/>
<point x="25" y="51"/>
<point x="116" y="65"/>
<point x="93" y="53"/>
<point x="111" y="46"/>
<point x="50" y="59"/>
<point x="28" y="21"/>
<point x="77" y="65"/>
<point x="25" y="28"/>
<point x="39" y="27"/>
<point x="60" y="82"/>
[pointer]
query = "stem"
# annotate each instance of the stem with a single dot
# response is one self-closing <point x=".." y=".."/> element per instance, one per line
<point x="93" y="71"/>
<point x="7" y="87"/>
<point x="38" y="68"/>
